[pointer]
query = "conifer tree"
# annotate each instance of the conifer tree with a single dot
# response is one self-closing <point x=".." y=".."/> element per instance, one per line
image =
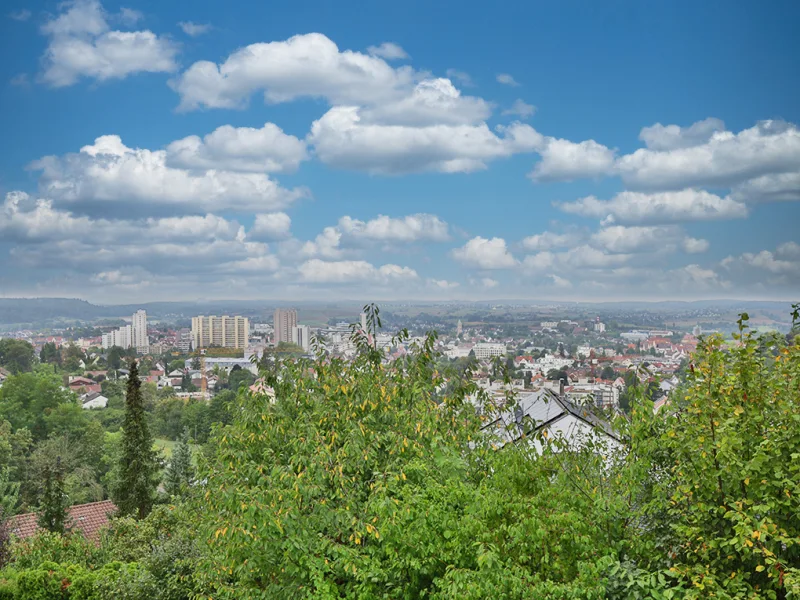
<point x="180" y="472"/>
<point x="9" y="492"/>
<point x="5" y="539"/>
<point x="138" y="468"/>
<point x="54" y="505"/>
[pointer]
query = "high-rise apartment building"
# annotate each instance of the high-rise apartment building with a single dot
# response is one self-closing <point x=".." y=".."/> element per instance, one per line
<point x="121" y="337"/>
<point x="139" y="326"/>
<point x="184" y="340"/>
<point x="283" y="322"/>
<point x="224" y="331"/>
<point x="130" y="336"/>
<point x="301" y="337"/>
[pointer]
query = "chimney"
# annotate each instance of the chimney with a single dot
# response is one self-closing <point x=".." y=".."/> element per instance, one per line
<point x="561" y="388"/>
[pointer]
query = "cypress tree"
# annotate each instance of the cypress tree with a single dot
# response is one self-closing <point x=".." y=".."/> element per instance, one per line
<point x="136" y="488"/>
<point x="53" y="509"/>
<point x="5" y="539"/>
<point x="180" y="472"/>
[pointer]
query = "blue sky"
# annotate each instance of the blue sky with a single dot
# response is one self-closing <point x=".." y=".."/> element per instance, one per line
<point x="537" y="150"/>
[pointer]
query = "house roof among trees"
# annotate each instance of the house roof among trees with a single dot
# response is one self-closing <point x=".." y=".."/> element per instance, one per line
<point x="89" y="519"/>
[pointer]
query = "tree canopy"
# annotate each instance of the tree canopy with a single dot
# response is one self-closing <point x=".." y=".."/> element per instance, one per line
<point x="18" y="356"/>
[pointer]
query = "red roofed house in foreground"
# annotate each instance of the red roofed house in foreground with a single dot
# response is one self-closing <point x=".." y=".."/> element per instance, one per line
<point x="89" y="519"/>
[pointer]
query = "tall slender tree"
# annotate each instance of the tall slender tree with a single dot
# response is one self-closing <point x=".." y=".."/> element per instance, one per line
<point x="180" y="472"/>
<point x="135" y="492"/>
<point x="5" y="539"/>
<point x="55" y="503"/>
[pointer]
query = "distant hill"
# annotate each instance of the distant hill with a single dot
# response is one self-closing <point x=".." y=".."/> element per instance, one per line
<point x="25" y="310"/>
<point x="51" y="310"/>
<point x="59" y="310"/>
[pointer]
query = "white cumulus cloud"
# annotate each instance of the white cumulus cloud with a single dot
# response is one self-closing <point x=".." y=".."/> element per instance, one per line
<point x="108" y="171"/>
<point x="271" y="225"/>
<point x="81" y="44"/>
<point x="662" y="207"/>
<point x="724" y="160"/>
<point x="388" y="50"/>
<point x="342" y="140"/>
<point x="673" y="137"/>
<point x="403" y="229"/>
<point x="563" y="160"/>
<point x="344" y="271"/>
<point x="308" y="65"/>
<point x="267" y="149"/>
<point x="548" y="240"/>
<point x="483" y="253"/>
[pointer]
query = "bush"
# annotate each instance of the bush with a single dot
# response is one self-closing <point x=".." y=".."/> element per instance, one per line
<point x="71" y="548"/>
<point x="49" y="581"/>
<point x="8" y="584"/>
<point x="123" y="581"/>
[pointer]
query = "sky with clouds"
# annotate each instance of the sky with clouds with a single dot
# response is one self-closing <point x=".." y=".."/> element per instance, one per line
<point x="449" y="150"/>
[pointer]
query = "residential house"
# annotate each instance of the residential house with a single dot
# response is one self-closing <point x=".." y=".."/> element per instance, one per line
<point x="94" y="400"/>
<point x="545" y="412"/>
<point x="88" y="519"/>
<point x="82" y="385"/>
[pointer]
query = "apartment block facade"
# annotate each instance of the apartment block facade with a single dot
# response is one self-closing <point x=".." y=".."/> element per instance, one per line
<point x="284" y="320"/>
<point x="224" y="331"/>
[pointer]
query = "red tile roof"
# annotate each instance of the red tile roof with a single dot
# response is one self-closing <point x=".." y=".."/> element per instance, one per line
<point x="89" y="519"/>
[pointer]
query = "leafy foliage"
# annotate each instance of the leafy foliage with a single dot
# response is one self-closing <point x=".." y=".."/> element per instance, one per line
<point x="18" y="356"/>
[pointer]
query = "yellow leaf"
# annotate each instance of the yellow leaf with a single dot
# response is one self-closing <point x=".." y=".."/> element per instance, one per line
<point x="760" y="568"/>
<point x="738" y="410"/>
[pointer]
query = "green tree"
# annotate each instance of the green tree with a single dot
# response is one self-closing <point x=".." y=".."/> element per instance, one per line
<point x="289" y="348"/>
<point x="139" y="465"/>
<point x="55" y="502"/>
<point x="528" y="379"/>
<point x="27" y="399"/>
<point x="608" y="373"/>
<point x="220" y="407"/>
<point x="5" y="539"/>
<point x="50" y="354"/>
<point x="79" y="476"/>
<point x="18" y="356"/>
<point x="9" y="492"/>
<point x="114" y="358"/>
<point x="180" y="472"/>
<point x="74" y="358"/>
<point x="726" y="474"/>
<point x="239" y="377"/>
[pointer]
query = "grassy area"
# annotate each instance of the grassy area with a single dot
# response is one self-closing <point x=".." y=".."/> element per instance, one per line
<point x="166" y="447"/>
